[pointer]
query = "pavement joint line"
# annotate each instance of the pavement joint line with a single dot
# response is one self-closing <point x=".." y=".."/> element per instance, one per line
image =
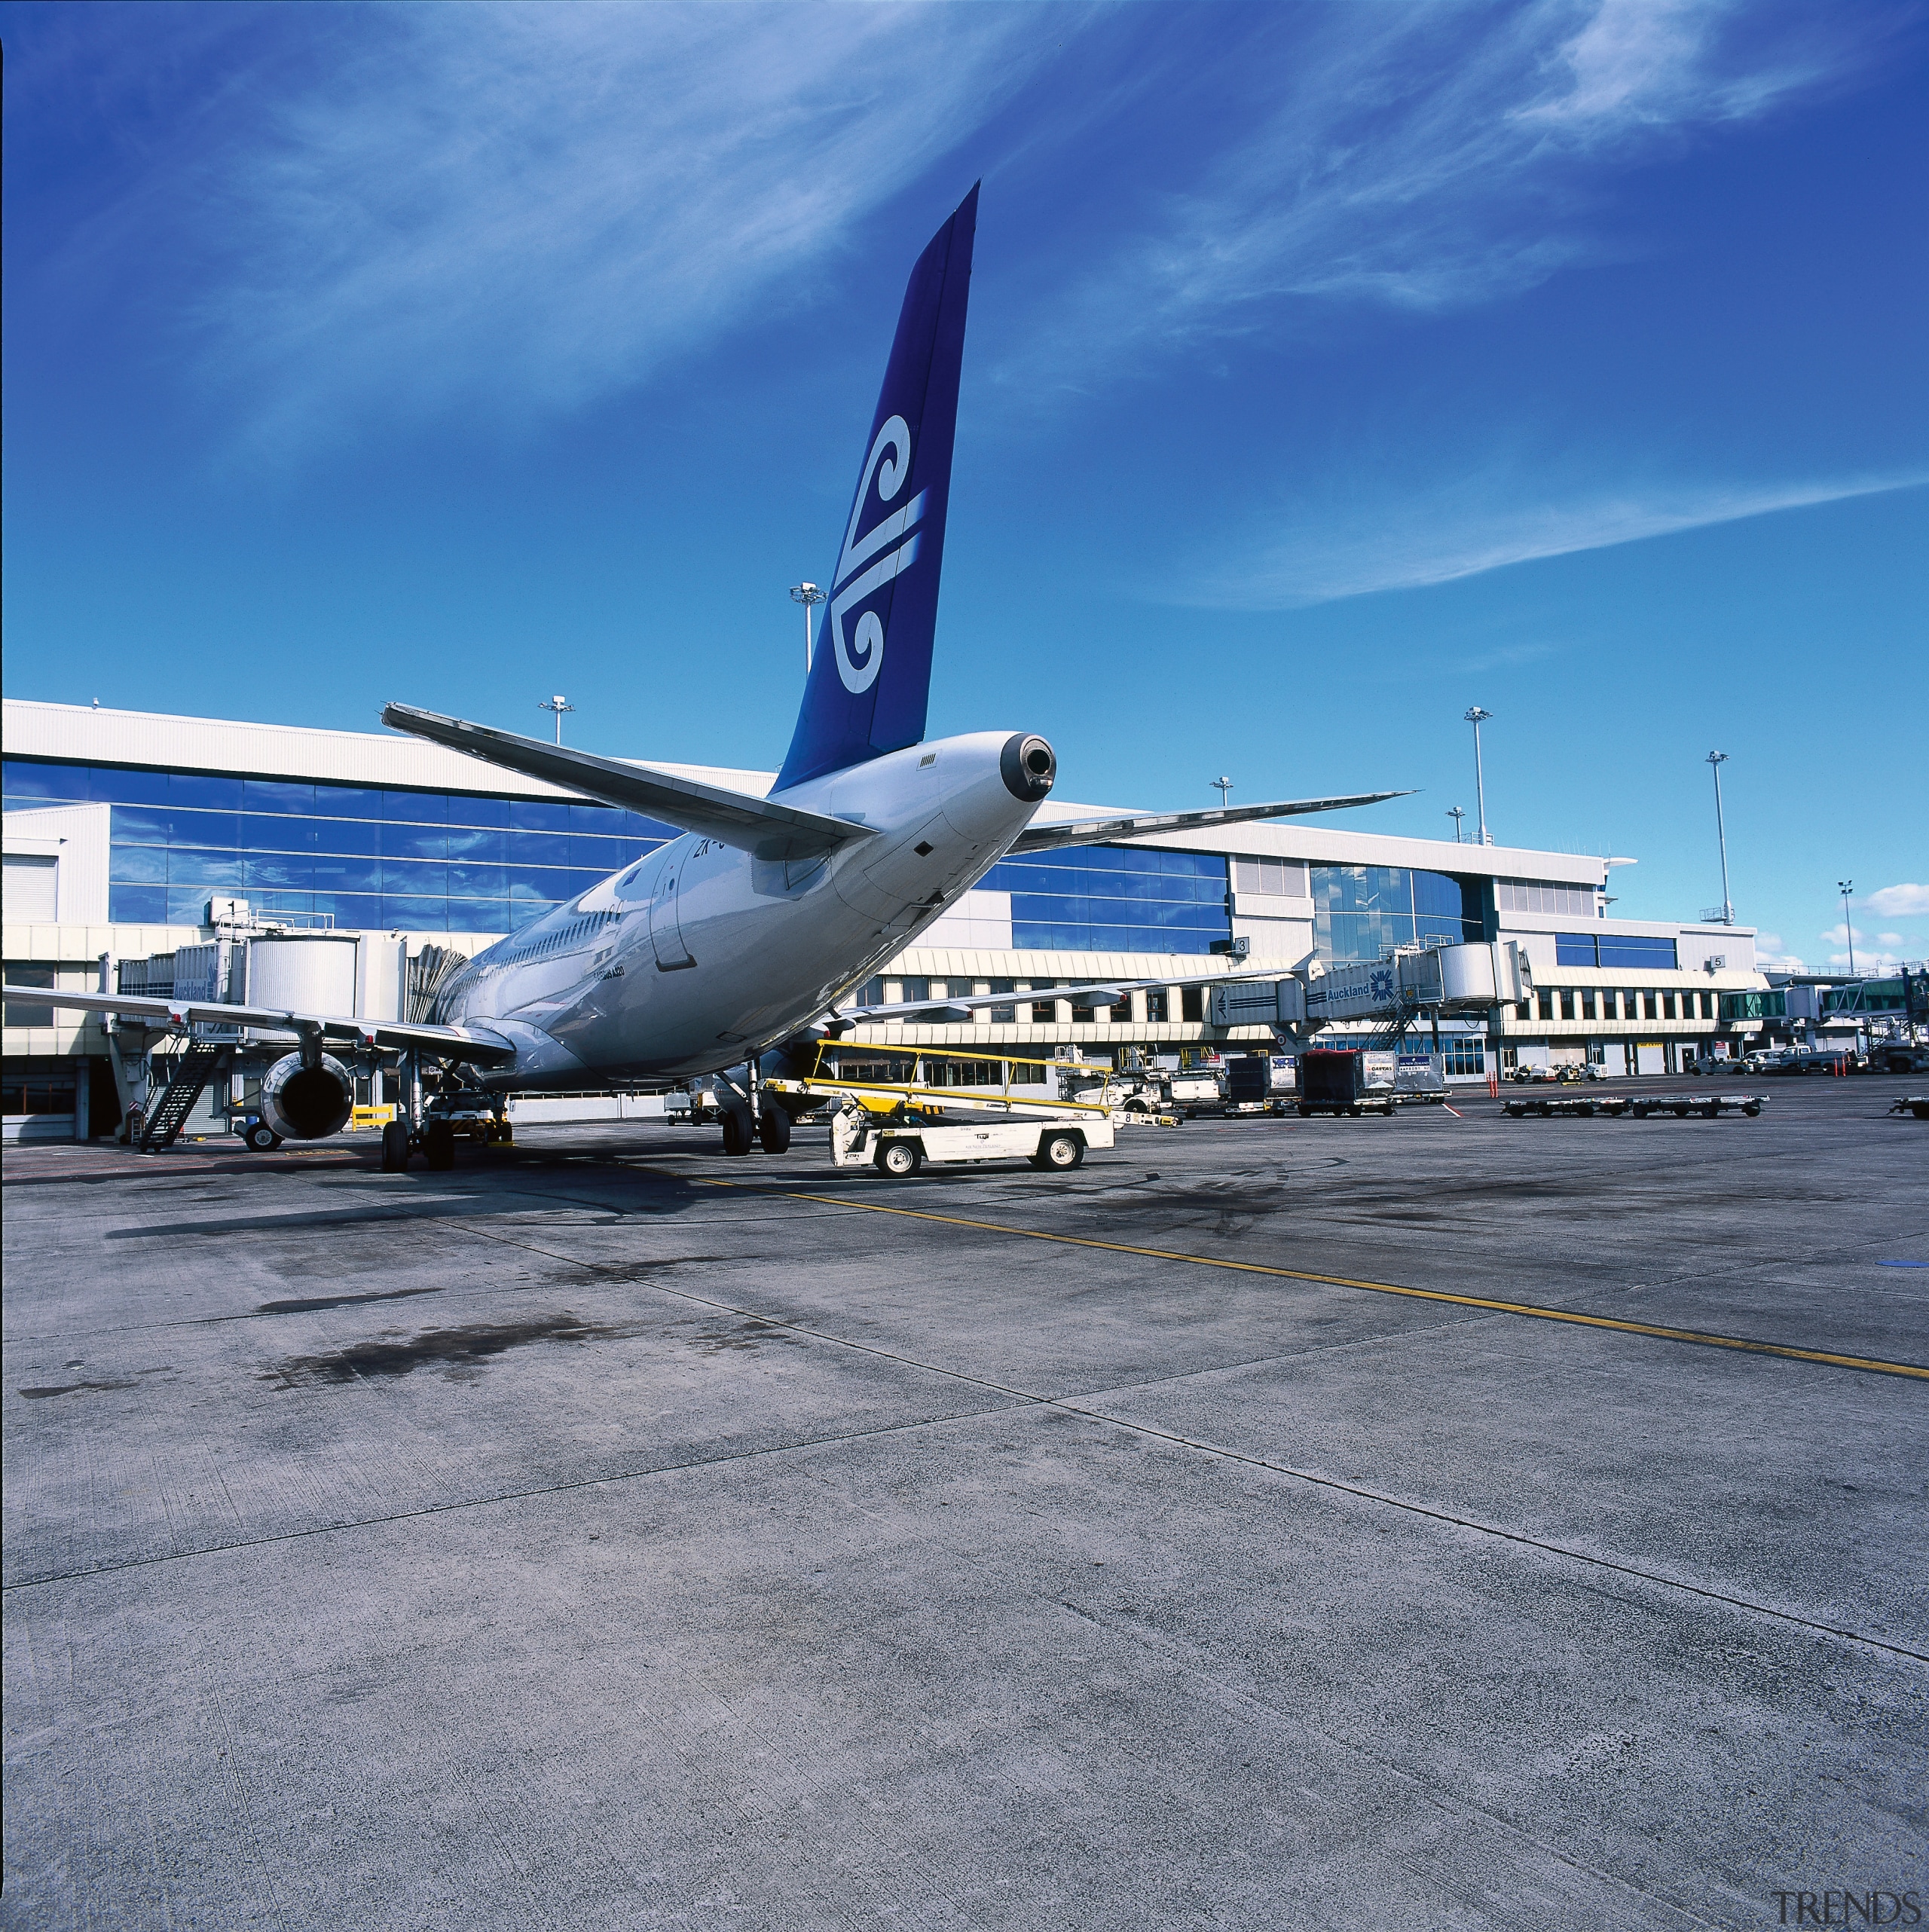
<point x="1656" y="1331"/>
<point x="1022" y="1398"/>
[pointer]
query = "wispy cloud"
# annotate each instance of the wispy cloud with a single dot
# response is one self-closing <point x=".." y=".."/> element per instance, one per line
<point x="1470" y="526"/>
<point x="1429" y="158"/>
<point x="531" y="207"/>
<point x="1899" y="902"/>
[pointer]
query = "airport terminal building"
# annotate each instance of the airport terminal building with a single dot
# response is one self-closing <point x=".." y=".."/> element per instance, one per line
<point x="127" y="832"/>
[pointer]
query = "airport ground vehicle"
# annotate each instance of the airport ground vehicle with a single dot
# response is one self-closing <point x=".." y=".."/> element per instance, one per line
<point x="899" y="1148"/>
<point x="1353" y="1081"/>
<point x="1191" y="1090"/>
<point x="1917" y="1104"/>
<point x="1708" y="1063"/>
<point x="1638" y="1106"/>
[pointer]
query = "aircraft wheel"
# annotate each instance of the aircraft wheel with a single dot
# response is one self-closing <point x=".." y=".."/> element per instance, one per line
<point x="736" y="1131"/>
<point x="1305" y="1111"/>
<point x="261" y="1138"/>
<point x="1062" y="1150"/>
<point x="774" y="1130"/>
<point x="439" y="1146"/>
<point x="395" y="1147"/>
<point x="900" y="1159"/>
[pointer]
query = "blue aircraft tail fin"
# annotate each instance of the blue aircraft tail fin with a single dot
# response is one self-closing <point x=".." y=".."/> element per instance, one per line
<point x="871" y="672"/>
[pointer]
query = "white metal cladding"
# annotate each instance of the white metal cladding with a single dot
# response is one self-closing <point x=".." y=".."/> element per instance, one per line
<point x="85" y="735"/>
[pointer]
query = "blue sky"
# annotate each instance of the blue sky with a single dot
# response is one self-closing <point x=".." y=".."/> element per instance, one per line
<point x="1330" y="369"/>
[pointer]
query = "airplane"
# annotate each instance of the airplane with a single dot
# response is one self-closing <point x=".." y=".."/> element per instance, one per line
<point x="731" y="946"/>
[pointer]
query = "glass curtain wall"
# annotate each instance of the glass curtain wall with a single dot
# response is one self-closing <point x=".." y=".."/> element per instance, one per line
<point x="1115" y="899"/>
<point x="421" y="861"/>
<point x="1361" y="912"/>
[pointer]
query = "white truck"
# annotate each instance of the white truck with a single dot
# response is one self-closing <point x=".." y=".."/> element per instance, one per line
<point x="899" y="1148"/>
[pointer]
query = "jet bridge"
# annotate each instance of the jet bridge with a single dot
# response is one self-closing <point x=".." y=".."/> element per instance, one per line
<point x="1443" y="979"/>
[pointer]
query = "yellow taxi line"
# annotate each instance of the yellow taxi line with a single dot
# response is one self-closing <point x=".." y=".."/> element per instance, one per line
<point x="1658" y="1332"/>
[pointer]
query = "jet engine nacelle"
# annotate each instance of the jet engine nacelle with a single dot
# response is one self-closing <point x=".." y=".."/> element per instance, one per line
<point x="308" y="1103"/>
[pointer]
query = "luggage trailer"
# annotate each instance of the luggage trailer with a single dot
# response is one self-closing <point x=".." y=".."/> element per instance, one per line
<point x="1681" y="1106"/>
<point x="897" y="1127"/>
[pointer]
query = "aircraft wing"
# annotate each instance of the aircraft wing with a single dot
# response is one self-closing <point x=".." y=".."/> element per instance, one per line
<point x="740" y="819"/>
<point x="476" y="1045"/>
<point x="1100" y="992"/>
<point x="1109" y="831"/>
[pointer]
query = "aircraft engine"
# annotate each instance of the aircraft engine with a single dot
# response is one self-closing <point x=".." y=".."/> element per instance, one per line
<point x="308" y="1103"/>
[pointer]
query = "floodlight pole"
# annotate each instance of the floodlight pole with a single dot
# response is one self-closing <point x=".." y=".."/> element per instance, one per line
<point x="1224" y="787"/>
<point x="1477" y="717"/>
<point x="1456" y="813"/>
<point x="807" y="595"/>
<point x="559" y="704"/>
<point x="1716" y="759"/>
<point x="1846" y="887"/>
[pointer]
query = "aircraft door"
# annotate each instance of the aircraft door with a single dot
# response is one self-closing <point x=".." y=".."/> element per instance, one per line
<point x="666" y="933"/>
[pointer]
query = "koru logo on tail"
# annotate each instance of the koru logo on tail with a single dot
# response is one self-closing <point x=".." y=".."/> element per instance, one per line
<point x="859" y="647"/>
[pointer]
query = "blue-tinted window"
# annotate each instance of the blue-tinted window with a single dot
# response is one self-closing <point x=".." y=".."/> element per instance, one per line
<point x="415" y="842"/>
<point x="465" y="808"/>
<point x="351" y="909"/>
<point x="290" y="871"/>
<point x="604" y="855"/>
<point x="137" y="904"/>
<point x="415" y="875"/>
<point x="281" y="902"/>
<point x="261" y="831"/>
<point x="362" y="837"/>
<point x="1623" y="949"/>
<point x="210" y="872"/>
<point x="28" y="781"/>
<point x="1361" y="912"/>
<point x="367" y="857"/>
<point x="1106" y="898"/>
<point x="418" y="914"/>
<point x="138" y="865"/>
<point x="187" y="905"/>
<point x="116" y="784"/>
<point x="478" y="845"/>
<point x="278" y="796"/>
<point x="416" y="807"/>
<point x="349" y="801"/>
<point x="479" y="882"/>
<point x="203" y="792"/>
<point x="1577" y="949"/>
<point x="478" y="915"/>
<point x="334" y="874"/>
<point x="527" y="848"/>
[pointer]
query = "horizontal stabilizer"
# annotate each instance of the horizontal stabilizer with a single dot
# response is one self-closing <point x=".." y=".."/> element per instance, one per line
<point x="473" y="1045"/>
<point x="1109" y="831"/>
<point x="740" y="819"/>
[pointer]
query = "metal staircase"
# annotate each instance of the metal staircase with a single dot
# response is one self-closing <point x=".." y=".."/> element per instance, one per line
<point x="187" y="1080"/>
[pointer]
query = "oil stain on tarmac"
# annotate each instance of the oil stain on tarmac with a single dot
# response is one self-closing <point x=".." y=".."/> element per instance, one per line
<point x="459" y="1352"/>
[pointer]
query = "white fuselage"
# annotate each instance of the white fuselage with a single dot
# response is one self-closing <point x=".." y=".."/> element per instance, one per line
<point x="703" y="954"/>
